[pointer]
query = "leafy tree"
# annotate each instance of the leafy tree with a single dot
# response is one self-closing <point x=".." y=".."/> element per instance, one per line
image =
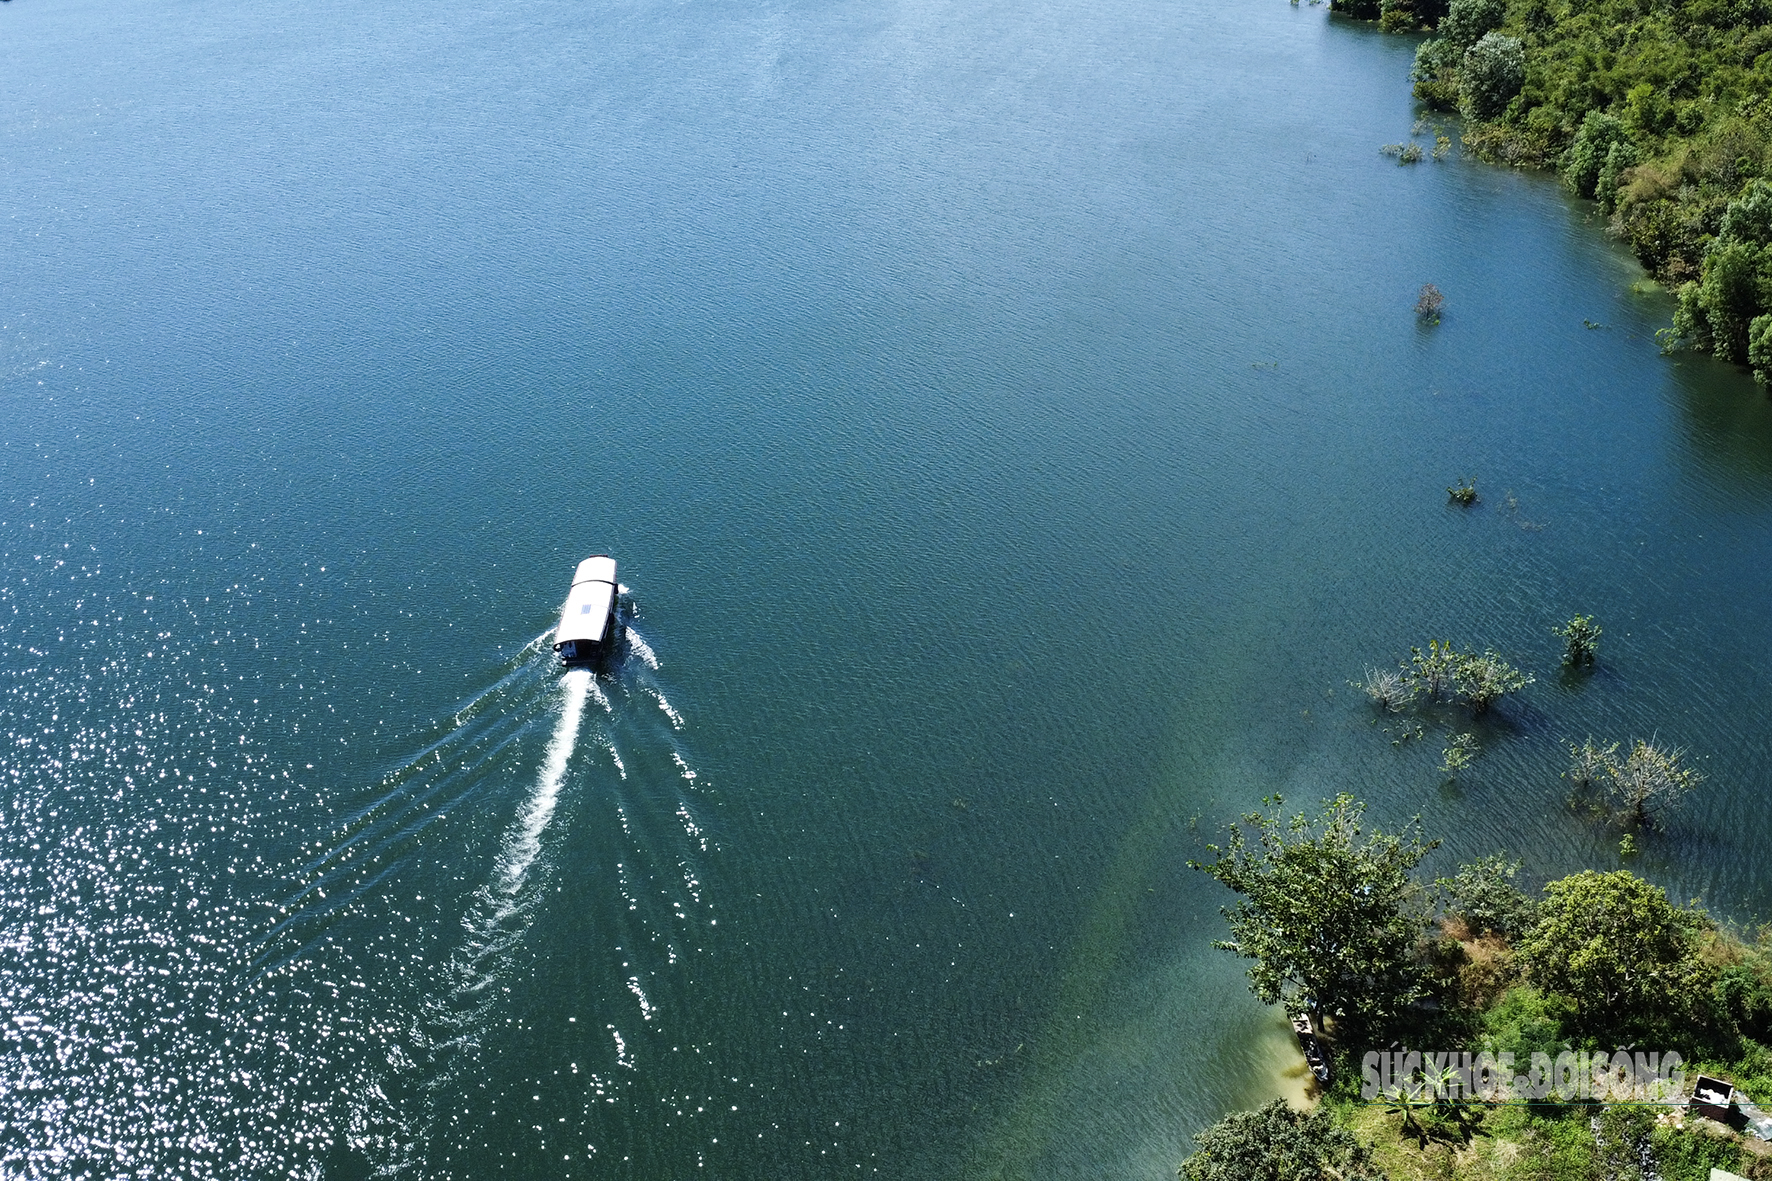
<point x="1620" y="157"/>
<point x="1329" y="912"/>
<point x="1581" y="640"/>
<point x="1492" y="73"/>
<point x="1466" y="21"/>
<point x="1729" y="293"/>
<point x="1759" y="348"/>
<point x="1613" y="944"/>
<point x="1600" y="132"/>
<point x="1483" y="680"/>
<point x="1460" y="753"/>
<point x="1483" y="894"/>
<point x="1435" y="72"/>
<point x="1276" y="1143"/>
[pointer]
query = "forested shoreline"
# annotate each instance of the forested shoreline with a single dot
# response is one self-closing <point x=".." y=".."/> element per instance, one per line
<point x="1658" y="110"/>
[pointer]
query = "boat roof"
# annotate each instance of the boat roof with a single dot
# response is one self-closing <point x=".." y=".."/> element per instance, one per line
<point x="585" y="617"/>
<point x="597" y="568"/>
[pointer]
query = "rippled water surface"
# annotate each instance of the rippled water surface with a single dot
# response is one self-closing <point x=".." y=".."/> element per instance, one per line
<point x="1012" y="425"/>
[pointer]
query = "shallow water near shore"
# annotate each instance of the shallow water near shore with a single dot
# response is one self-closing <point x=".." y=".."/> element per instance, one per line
<point x="1012" y="425"/>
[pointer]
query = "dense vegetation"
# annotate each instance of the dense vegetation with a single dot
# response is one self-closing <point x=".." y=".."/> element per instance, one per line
<point x="1659" y="110"/>
<point x="1597" y="961"/>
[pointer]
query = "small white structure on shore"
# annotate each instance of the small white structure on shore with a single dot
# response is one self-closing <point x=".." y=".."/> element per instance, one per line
<point x="588" y="627"/>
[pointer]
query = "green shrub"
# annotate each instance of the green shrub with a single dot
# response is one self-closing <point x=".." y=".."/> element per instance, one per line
<point x="1683" y="1154"/>
<point x="1492" y="73"/>
<point x="1587" y="155"/>
<point x="1276" y="1143"/>
<point x="1483" y="894"/>
<point x="1581" y="640"/>
<point x="1466" y="21"/>
<point x="1525" y="1022"/>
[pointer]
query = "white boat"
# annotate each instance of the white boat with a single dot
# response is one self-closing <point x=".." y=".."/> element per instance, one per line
<point x="589" y="629"/>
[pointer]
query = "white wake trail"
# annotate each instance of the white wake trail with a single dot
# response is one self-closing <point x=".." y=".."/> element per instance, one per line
<point x="523" y="844"/>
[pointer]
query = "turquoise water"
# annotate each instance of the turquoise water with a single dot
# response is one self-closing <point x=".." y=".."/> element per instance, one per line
<point x="1012" y="426"/>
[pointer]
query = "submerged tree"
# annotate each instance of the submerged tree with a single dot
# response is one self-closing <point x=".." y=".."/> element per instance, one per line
<point x="1429" y="301"/>
<point x="1482" y="680"/>
<point x="1651" y="780"/>
<point x="1329" y="911"/>
<point x="1459" y="754"/>
<point x="1436" y="670"/>
<point x="1638" y="787"/>
<point x="1589" y="768"/>
<point x="1473" y="679"/>
<point x="1387" y="690"/>
<point x="1581" y="640"/>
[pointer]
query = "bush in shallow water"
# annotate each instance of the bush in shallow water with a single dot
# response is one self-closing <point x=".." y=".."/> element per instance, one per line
<point x="1460" y="753"/>
<point x="1429" y="301"/>
<point x="1650" y="780"/>
<point x="1387" y="690"/>
<point x="1483" y="680"/>
<point x="1434" y="672"/>
<point x="1464" y="492"/>
<point x="1581" y="640"/>
<point x="1589" y="769"/>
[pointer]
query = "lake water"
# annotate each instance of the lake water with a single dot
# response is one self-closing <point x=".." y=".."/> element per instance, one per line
<point x="1012" y="425"/>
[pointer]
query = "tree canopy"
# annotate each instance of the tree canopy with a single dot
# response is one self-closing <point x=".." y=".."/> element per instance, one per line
<point x="1275" y="1143"/>
<point x="1615" y="945"/>
<point x="1329" y="911"/>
